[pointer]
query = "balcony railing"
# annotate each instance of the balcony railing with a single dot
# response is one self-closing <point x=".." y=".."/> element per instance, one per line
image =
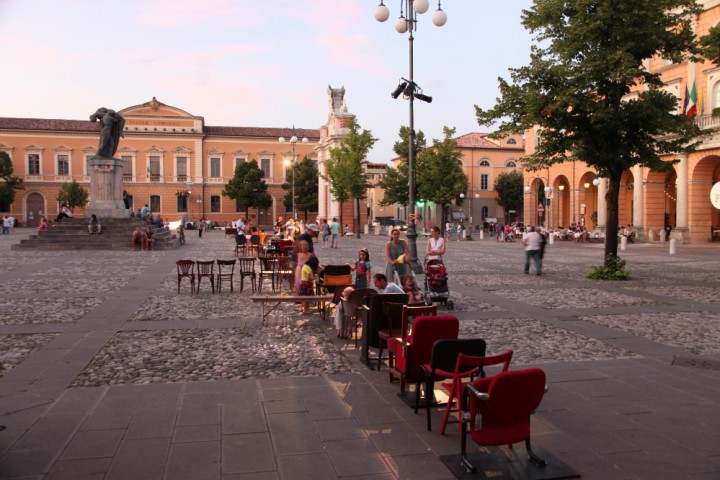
<point x="127" y="178"/>
<point x="707" y="121"/>
<point x="154" y="178"/>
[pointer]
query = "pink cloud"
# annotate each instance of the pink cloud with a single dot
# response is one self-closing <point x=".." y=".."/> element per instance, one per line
<point x="175" y="13"/>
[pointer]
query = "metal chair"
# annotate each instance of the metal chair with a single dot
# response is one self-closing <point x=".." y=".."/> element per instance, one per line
<point x="398" y="322"/>
<point x="186" y="269"/>
<point x="409" y="353"/>
<point x="226" y="269"/>
<point x="205" y="269"/>
<point x="505" y="403"/>
<point x="246" y="267"/>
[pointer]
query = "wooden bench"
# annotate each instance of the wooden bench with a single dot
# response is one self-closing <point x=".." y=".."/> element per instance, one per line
<point x="321" y="300"/>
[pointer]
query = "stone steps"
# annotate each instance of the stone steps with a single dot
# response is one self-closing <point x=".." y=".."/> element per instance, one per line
<point x="72" y="234"/>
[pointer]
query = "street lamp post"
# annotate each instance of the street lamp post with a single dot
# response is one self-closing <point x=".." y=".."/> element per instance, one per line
<point x="293" y="141"/>
<point x="411" y="91"/>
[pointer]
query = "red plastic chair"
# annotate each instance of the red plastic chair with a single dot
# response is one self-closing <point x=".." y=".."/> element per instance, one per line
<point x="468" y="366"/>
<point x="505" y="403"/>
<point x="409" y="353"/>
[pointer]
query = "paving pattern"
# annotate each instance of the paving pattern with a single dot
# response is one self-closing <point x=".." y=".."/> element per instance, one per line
<point x="80" y="326"/>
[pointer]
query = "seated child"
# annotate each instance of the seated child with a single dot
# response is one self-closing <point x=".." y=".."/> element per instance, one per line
<point x="408" y="284"/>
<point x="340" y="316"/>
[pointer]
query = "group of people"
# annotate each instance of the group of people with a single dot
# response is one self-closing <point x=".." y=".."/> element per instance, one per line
<point x="142" y="239"/>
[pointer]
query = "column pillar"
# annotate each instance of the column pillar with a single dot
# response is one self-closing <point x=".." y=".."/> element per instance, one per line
<point x="638" y="196"/>
<point x="602" y="205"/>
<point x="681" y="227"/>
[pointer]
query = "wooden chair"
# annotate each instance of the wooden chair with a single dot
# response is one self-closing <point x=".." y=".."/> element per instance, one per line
<point x="205" y="269"/>
<point x="399" y="316"/>
<point x="468" y="365"/>
<point x="186" y="269"/>
<point x="374" y="319"/>
<point x="284" y="272"/>
<point x="268" y="266"/>
<point x="226" y="269"/>
<point x="353" y="309"/>
<point x="240" y="245"/>
<point x="246" y="267"/>
<point x="254" y="247"/>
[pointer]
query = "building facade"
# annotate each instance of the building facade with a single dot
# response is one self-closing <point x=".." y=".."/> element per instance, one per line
<point x="172" y="162"/>
<point x="648" y="200"/>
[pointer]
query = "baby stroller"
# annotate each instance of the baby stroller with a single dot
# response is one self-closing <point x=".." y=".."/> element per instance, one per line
<point x="436" y="284"/>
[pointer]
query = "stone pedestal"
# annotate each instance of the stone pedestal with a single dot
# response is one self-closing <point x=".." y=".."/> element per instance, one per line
<point x="106" y="187"/>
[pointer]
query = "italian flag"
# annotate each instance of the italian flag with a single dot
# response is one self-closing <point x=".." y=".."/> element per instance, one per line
<point x="690" y="104"/>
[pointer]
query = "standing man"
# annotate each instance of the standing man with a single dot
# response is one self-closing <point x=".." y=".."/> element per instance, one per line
<point x="310" y="234"/>
<point x="334" y="231"/>
<point x="533" y="243"/>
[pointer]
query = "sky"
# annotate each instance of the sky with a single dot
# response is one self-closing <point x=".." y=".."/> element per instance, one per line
<point x="258" y="63"/>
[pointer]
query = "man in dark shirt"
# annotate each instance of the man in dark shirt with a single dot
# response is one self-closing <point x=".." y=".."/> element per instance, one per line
<point x="310" y="232"/>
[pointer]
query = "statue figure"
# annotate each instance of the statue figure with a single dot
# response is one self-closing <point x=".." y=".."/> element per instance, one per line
<point x="112" y="129"/>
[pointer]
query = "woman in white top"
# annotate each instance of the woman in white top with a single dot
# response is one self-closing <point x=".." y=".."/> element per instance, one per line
<point x="435" y="245"/>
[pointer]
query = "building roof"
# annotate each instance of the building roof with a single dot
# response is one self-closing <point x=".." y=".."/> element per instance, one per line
<point x="44" y="124"/>
<point x="479" y="140"/>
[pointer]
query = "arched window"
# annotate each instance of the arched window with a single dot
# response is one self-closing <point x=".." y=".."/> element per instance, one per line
<point x="510" y="164"/>
<point x="538" y="138"/>
<point x="511" y="142"/>
<point x="484" y="163"/>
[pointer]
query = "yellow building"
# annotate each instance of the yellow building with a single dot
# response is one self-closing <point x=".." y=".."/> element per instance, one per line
<point x="173" y="162"/>
<point x="647" y="199"/>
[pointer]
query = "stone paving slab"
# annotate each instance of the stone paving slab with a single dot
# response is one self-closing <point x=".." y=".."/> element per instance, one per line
<point x="108" y="373"/>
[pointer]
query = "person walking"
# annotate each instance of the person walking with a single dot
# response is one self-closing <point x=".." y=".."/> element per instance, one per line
<point x="533" y="247"/>
<point x="334" y="231"/>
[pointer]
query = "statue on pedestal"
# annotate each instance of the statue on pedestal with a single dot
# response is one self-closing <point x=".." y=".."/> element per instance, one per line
<point x="111" y="131"/>
<point x="106" y="172"/>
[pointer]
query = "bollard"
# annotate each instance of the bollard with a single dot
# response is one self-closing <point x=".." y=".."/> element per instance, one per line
<point x="367" y="229"/>
<point x="482" y="234"/>
<point x="623" y="242"/>
<point x="651" y="235"/>
<point x="551" y="238"/>
<point x="663" y="234"/>
<point x="673" y="246"/>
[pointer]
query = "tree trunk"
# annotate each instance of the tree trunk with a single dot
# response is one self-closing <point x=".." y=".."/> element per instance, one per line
<point x="611" y="225"/>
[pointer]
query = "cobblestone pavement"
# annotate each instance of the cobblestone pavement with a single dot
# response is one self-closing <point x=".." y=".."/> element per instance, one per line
<point x="121" y="313"/>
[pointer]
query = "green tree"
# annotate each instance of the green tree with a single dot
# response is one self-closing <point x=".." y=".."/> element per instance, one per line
<point x="306" y="187"/>
<point x="347" y="169"/>
<point x="510" y="189"/>
<point x="248" y="188"/>
<point x="73" y="195"/>
<point x="9" y="183"/>
<point x="395" y="181"/>
<point x="588" y="56"/>
<point x="439" y="177"/>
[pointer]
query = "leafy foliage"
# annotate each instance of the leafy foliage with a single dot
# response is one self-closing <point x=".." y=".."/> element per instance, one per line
<point x="306" y="187"/>
<point x="588" y="56"/>
<point x="346" y="169"/>
<point x="248" y="187"/>
<point x="614" y="269"/>
<point x="73" y="195"/>
<point x="395" y="181"/>
<point x="10" y="183"/>
<point x="510" y="189"/>
<point x="440" y="178"/>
